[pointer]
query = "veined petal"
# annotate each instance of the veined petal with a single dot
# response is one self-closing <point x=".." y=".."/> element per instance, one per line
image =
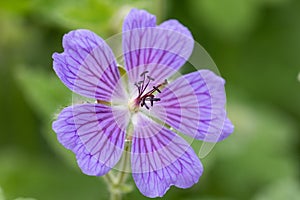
<point x="195" y="105"/>
<point x="175" y="25"/>
<point x="138" y="19"/>
<point x="161" y="50"/>
<point x="160" y="159"/>
<point x="87" y="66"/>
<point x="95" y="133"/>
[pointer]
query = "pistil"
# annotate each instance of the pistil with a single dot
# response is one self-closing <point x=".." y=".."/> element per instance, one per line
<point x="143" y="97"/>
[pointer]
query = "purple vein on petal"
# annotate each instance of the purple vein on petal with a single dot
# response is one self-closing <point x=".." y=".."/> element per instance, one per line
<point x="87" y="66"/>
<point x="161" y="159"/>
<point x="95" y="133"/>
<point x="195" y="105"/>
<point x="161" y="50"/>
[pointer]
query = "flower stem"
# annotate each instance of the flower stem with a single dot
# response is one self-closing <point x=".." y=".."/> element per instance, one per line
<point x="125" y="163"/>
<point x="116" y="180"/>
<point x="115" y="196"/>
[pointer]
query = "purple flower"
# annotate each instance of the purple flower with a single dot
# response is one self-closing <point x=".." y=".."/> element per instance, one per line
<point x="140" y="106"/>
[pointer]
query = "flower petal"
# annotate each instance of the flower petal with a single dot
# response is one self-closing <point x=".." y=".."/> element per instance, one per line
<point x="87" y="66"/>
<point x="138" y="19"/>
<point x="95" y="133"/>
<point x="175" y="25"/>
<point x="161" y="50"/>
<point x="160" y="159"/>
<point x="194" y="104"/>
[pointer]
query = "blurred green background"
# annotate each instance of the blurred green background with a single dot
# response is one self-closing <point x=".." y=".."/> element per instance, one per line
<point x="255" y="44"/>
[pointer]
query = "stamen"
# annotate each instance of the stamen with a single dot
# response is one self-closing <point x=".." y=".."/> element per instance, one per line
<point x="150" y="78"/>
<point x="146" y="106"/>
<point x="142" y="98"/>
<point x="144" y="88"/>
<point x="143" y="74"/>
<point x="143" y="81"/>
<point x="138" y="86"/>
<point x="156" y="88"/>
<point x="149" y="98"/>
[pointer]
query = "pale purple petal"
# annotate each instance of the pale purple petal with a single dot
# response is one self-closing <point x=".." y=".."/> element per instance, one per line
<point x="87" y="66"/>
<point x="194" y="104"/>
<point x="175" y="25"/>
<point x="160" y="159"/>
<point x="95" y="133"/>
<point x="138" y="19"/>
<point x="161" y="50"/>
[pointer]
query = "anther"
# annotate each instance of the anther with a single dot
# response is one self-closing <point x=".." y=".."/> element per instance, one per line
<point x="156" y="88"/>
<point x="145" y="72"/>
<point x="150" y="78"/>
<point x="144" y="97"/>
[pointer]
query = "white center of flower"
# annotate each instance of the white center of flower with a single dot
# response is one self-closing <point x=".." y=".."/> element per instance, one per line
<point x="133" y="106"/>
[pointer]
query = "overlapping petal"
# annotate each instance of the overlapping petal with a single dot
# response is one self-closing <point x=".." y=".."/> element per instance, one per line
<point x="95" y="133"/>
<point x="195" y="105"/>
<point x="87" y="66"/>
<point x="160" y="159"/>
<point x="161" y="50"/>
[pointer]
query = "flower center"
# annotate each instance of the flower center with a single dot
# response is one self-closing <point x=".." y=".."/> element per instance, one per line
<point x="144" y="97"/>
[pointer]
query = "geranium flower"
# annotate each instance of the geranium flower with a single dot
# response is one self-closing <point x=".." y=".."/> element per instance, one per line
<point x="140" y="107"/>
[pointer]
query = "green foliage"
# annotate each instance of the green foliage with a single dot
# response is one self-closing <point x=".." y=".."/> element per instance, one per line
<point x="45" y="178"/>
<point x="1" y="194"/>
<point x="259" y="148"/>
<point x="284" y="189"/>
<point x="20" y="198"/>
<point x="79" y="14"/>
<point x="255" y="44"/>
<point x="44" y="99"/>
<point x="16" y="6"/>
<point x="47" y="102"/>
<point x="230" y="18"/>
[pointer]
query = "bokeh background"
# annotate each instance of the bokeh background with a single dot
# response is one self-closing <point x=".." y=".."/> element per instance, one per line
<point x="255" y="44"/>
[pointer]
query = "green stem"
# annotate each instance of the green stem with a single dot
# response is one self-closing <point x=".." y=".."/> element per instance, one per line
<point x="124" y="169"/>
<point x="109" y="179"/>
<point x="116" y="181"/>
<point x="115" y="196"/>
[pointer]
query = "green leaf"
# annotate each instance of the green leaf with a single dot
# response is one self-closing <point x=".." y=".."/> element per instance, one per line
<point x="1" y="194"/>
<point x="230" y="18"/>
<point x="104" y="17"/>
<point x="283" y="189"/>
<point x="16" y="6"/>
<point x="227" y="18"/>
<point x="259" y="151"/>
<point x="45" y="178"/>
<point x="20" y="198"/>
<point x="45" y="92"/>
<point x="47" y="95"/>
